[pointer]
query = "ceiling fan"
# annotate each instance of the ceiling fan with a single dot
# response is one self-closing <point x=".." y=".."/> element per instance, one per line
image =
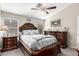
<point x="40" y="6"/>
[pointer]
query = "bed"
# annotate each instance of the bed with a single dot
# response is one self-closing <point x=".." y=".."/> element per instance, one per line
<point x="37" y="45"/>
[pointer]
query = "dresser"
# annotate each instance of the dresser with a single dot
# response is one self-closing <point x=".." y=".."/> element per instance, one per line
<point x="9" y="43"/>
<point x="61" y="37"/>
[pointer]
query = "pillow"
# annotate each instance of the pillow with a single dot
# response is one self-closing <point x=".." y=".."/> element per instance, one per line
<point x="26" y="32"/>
<point x="36" y="32"/>
<point x="30" y="32"/>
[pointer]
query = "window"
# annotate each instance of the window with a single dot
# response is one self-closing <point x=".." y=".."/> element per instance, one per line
<point x="12" y="26"/>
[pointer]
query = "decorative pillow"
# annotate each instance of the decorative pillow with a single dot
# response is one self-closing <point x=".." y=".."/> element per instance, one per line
<point x="36" y="32"/>
<point x="30" y="32"/>
<point x="26" y="32"/>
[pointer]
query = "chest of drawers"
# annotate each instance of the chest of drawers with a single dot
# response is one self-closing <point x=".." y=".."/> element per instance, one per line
<point x="9" y="43"/>
<point x="61" y="37"/>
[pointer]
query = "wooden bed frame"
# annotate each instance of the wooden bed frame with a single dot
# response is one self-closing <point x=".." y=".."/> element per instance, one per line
<point x="50" y="50"/>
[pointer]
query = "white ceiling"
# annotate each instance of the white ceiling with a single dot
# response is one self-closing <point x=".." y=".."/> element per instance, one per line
<point x="25" y="9"/>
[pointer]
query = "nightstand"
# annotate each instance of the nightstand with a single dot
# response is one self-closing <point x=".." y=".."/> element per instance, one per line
<point x="9" y="43"/>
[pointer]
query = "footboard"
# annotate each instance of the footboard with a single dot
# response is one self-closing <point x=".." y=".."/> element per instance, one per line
<point x="52" y="50"/>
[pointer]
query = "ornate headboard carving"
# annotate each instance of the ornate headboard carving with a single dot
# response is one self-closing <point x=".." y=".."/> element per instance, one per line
<point x="27" y="26"/>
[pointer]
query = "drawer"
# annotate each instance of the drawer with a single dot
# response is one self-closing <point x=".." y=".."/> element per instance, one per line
<point x="11" y="45"/>
<point x="60" y="37"/>
<point x="11" y="42"/>
<point x="52" y="33"/>
<point x="60" y="34"/>
<point x="9" y="38"/>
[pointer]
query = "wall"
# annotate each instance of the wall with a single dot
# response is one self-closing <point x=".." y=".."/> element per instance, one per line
<point x="0" y="14"/>
<point x="68" y="18"/>
<point x="0" y="26"/>
<point x="22" y="19"/>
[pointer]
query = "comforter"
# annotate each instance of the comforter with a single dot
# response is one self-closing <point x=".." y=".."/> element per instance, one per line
<point x="37" y="42"/>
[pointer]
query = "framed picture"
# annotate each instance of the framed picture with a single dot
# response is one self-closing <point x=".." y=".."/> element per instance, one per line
<point x="56" y="23"/>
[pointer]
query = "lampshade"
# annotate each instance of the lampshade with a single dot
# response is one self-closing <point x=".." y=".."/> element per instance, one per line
<point x="3" y="27"/>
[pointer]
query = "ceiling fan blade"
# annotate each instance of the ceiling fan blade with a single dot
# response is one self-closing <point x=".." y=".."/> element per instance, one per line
<point x="34" y="8"/>
<point x="39" y="5"/>
<point x="54" y="7"/>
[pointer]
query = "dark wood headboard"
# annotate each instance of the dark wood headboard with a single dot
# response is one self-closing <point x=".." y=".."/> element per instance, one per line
<point x="27" y="26"/>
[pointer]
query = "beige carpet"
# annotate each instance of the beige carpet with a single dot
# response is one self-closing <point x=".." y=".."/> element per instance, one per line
<point x="18" y="52"/>
<point x="15" y="52"/>
<point x="68" y="52"/>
